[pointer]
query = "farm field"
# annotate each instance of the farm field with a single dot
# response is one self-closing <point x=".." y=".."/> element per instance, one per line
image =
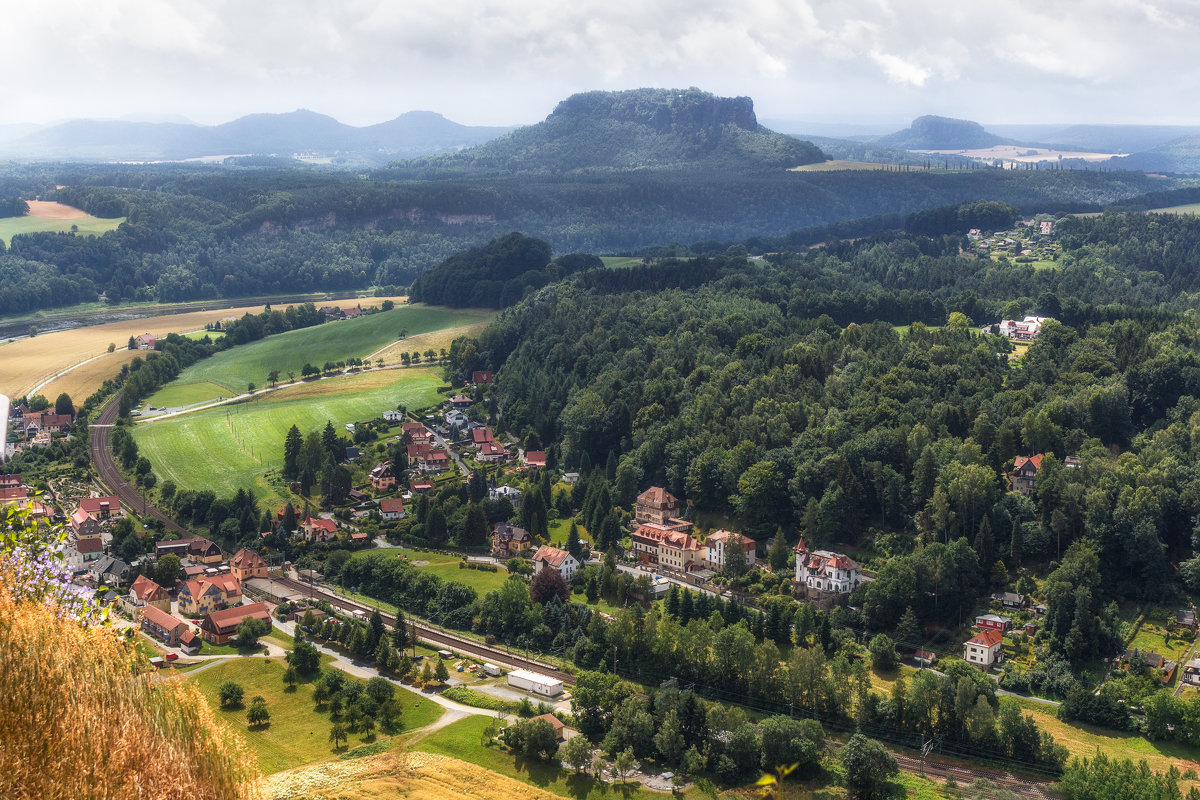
<point x="619" y="262"/>
<point x="232" y="447"/>
<point x="837" y="164"/>
<point x="82" y="382"/>
<point x="49" y="217"/>
<point x="1191" y="208"/>
<point x="228" y="373"/>
<point x="444" y="566"/>
<point x="434" y="340"/>
<point x="297" y="734"/>
<point x="1085" y="741"/>
<point x="28" y="362"/>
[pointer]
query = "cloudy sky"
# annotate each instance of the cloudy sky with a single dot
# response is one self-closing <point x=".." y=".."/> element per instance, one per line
<point x="488" y="62"/>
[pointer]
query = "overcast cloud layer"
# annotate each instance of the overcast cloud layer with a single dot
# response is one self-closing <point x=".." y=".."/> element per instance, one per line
<point x="487" y="62"/>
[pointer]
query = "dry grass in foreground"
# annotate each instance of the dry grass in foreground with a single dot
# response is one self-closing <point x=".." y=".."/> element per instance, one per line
<point x="82" y="716"/>
<point x="415" y="776"/>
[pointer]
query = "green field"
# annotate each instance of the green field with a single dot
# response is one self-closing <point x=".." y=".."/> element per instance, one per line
<point x="228" y="373"/>
<point x="297" y="734"/>
<point x="461" y="740"/>
<point x="622" y="261"/>
<point x="185" y="394"/>
<point x="445" y="567"/>
<point x="87" y="226"/>
<point x="231" y="447"/>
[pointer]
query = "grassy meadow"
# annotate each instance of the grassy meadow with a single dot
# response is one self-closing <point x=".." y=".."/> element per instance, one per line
<point x="84" y="226"/>
<point x="229" y="372"/>
<point x="444" y="566"/>
<point x="232" y="447"/>
<point x="298" y="734"/>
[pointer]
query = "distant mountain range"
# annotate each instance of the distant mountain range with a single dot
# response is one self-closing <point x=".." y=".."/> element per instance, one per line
<point x="638" y="129"/>
<point x="299" y="133"/>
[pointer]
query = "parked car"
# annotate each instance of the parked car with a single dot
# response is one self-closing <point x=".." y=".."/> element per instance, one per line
<point x="172" y="656"/>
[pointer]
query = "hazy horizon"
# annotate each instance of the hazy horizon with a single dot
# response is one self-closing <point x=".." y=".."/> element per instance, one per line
<point x="858" y="61"/>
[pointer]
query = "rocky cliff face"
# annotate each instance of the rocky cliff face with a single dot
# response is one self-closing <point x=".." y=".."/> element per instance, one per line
<point x="663" y="110"/>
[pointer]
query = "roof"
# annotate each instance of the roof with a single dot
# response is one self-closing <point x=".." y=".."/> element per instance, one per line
<point x="383" y="469"/>
<point x="187" y="638"/>
<point x="230" y="617"/>
<point x="13" y="493"/>
<point x="551" y="555"/>
<point x="413" y="427"/>
<point x="993" y="618"/>
<point x="657" y="496"/>
<point x="986" y="639"/>
<point x="161" y="618"/>
<point x="247" y="559"/>
<point x="724" y="536"/>
<point x="536" y="677"/>
<point x="147" y="590"/>
<point x="437" y="455"/>
<point x="1021" y="461"/>
<point x="391" y="504"/>
<point x="80" y="516"/>
<point x="321" y="524"/>
<point x="481" y="376"/>
<point x="93" y="505"/>
<point x="554" y="721"/>
<point x="461" y="398"/>
<point x="535" y="458"/>
<point x="511" y="532"/>
<point x="358" y="537"/>
<point x="491" y="449"/>
<point x="679" y="541"/>
<point x="481" y="435"/>
<point x="89" y="545"/>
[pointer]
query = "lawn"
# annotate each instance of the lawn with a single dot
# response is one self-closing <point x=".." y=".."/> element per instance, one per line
<point x="229" y="372"/>
<point x="437" y="340"/>
<point x="1085" y="740"/>
<point x="87" y="226"/>
<point x="297" y="734"/>
<point x="559" y="528"/>
<point x="232" y="447"/>
<point x="1154" y="636"/>
<point x="461" y="740"/>
<point x="175" y="395"/>
<point x="444" y="566"/>
<point x="620" y="262"/>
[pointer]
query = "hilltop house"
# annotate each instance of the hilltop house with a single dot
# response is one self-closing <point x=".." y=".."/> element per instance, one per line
<point x="717" y="544"/>
<point x="221" y="626"/>
<point x="656" y="505"/>
<point x="983" y="649"/>
<point x="1026" y="330"/>
<point x="822" y="572"/>
<point x="1024" y="474"/>
<point x="548" y="557"/>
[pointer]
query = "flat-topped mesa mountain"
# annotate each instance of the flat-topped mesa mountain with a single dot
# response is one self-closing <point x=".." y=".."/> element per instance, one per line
<point x="639" y="129"/>
<point x="410" y="135"/>
<point x="942" y="133"/>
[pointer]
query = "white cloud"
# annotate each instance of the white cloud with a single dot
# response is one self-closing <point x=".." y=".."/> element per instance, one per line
<point x="501" y="62"/>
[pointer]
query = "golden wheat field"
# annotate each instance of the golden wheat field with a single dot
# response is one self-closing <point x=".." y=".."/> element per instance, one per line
<point x="414" y="776"/>
<point x="434" y="340"/>
<point x="26" y="363"/>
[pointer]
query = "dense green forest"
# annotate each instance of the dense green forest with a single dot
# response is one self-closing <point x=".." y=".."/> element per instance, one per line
<point x="202" y="232"/>
<point x="780" y="393"/>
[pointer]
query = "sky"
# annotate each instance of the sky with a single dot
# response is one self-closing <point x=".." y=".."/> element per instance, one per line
<point x="502" y="63"/>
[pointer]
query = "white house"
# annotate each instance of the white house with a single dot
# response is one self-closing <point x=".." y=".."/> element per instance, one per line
<point x="716" y="544"/>
<point x="984" y="649"/>
<point x="825" y="571"/>
<point x="561" y="560"/>
<point x="509" y="493"/>
<point x="391" y="415"/>
<point x="456" y="419"/>
<point x="391" y="508"/>
<point x="535" y="682"/>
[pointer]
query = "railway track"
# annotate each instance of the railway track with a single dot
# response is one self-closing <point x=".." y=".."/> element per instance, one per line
<point x="99" y="435"/>
<point x="435" y="636"/>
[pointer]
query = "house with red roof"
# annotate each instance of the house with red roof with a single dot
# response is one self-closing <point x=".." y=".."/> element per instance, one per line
<point x="461" y="401"/>
<point x="162" y="626"/>
<point x="435" y="461"/>
<point x="102" y="508"/>
<point x="247" y="564"/>
<point x="383" y="477"/>
<point x="1024" y="474"/>
<point x="420" y="487"/>
<point x="481" y="376"/>
<point x="10" y="481"/>
<point x="535" y="458"/>
<point x="8" y="494"/>
<point x="490" y="452"/>
<point x="481" y="436"/>
<point x="548" y="557"/>
<point x="211" y="593"/>
<point x="146" y="592"/>
<point x="145" y="341"/>
<point x="719" y="542"/>
<point x="822" y="572"/>
<point x="221" y="626"/>
<point x="391" y="508"/>
<point x="318" y="529"/>
<point x="415" y="431"/>
<point x="983" y="649"/>
<point x="679" y="551"/>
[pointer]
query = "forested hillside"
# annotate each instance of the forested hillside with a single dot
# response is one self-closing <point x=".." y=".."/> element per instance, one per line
<point x="779" y="393"/>
<point x="195" y="233"/>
